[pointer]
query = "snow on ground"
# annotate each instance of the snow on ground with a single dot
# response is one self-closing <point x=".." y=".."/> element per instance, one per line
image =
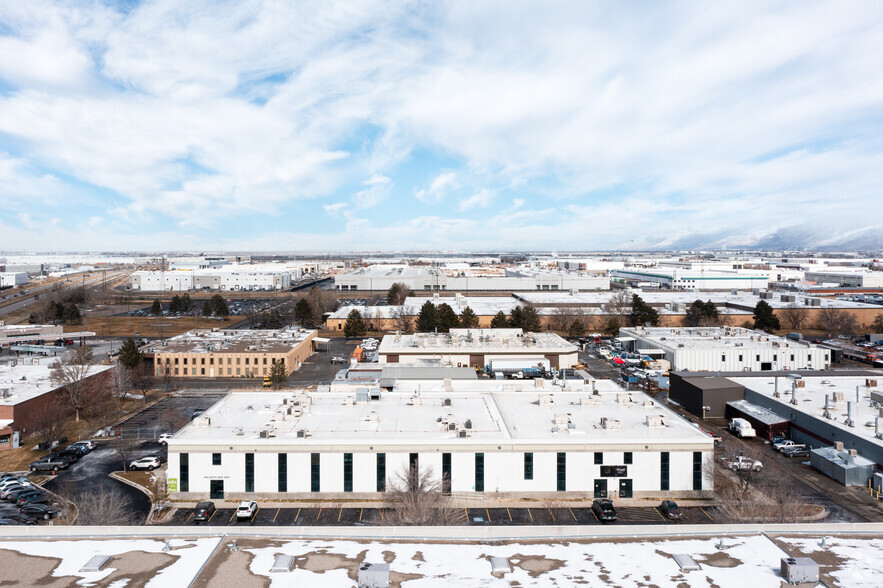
<point x="745" y="561"/>
<point x="860" y="559"/>
<point x="191" y="555"/>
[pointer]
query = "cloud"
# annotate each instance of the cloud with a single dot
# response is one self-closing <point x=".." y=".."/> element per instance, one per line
<point x="478" y="200"/>
<point x="438" y="188"/>
<point x="377" y="190"/>
<point x="649" y="127"/>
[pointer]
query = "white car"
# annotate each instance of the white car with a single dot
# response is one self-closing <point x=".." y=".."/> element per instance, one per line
<point x="164" y="438"/>
<point x="742" y="463"/>
<point x="246" y="509"/>
<point x="145" y="463"/>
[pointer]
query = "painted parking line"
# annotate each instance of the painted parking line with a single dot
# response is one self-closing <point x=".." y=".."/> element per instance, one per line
<point x="295" y="517"/>
<point x="189" y="517"/>
<point x="488" y="514"/>
<point x="361" y="510"/>
<point x="509" y="513"/>
<point x="530" y="514"/>
<point x="277" y="514"/>
<point x="319" y="514"/>
<point x="339" y="514"/>
<point x="706" y="514"/>
<point x="211" y="517"/>
<point x="592" y="510"/>
<point x="231" y="517"/>
<point x="573" y="515"/>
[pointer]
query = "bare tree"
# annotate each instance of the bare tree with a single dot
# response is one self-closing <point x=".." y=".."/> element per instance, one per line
<point x="120" y="384"/>
<point x="174" y="419"/>
<point x="99" y="504"/>
<point x="143" y="380"/>
<point x="403" y="322"/>
<point x="416" y="498"/>
<point x="125" y="449"/>
<point x="838" y="321"/>
<point x="562" y="316"/>
<point x="164" y="372"/>
<point x="72" y="374"/>
<point x="159" y="493"/>
<point x="50" y="421"/>
<point x="620" y="305"/>
<point x="794" y="316"/>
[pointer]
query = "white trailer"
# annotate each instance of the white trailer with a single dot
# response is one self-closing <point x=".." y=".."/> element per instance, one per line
<point x="742" y="428"/>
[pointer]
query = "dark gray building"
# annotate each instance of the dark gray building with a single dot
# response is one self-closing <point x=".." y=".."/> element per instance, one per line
<point x="692" y="392"/>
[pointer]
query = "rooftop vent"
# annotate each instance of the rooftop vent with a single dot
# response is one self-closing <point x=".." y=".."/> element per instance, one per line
<point x="655" y="420"/>
<point x="301" y="433"/>
<point x="611" y="424"/>
<point x="95" y="563"/>
<point x="283" y="563"/>
<point x="447" y="402"/>
<point x="545" y="400"/>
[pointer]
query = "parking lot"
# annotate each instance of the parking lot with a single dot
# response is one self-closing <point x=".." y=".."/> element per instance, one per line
<point x="168" y="415"/>
<point x="338" y="516"/>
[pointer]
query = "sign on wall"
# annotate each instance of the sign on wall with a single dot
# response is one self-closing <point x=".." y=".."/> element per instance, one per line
<point x="173" y="484"/>
<point x="614" y="471"/>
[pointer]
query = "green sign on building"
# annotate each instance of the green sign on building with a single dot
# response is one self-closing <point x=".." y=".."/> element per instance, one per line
<point x="173" y="484"/>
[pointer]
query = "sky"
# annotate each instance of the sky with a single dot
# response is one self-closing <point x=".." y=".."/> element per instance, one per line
<point x="384" y="126"/>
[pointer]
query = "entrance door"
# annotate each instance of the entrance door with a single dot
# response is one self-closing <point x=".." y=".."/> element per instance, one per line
<point x="600" y="488"/>
<point x="216" y="489"/>
<point x="766" y="366"/>
<point x="625" y="488"/>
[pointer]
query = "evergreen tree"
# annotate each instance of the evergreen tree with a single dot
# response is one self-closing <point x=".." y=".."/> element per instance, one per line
<point x="156" y="307"/>
<point x="397" y="293"/>
<point x="175" y="305"/>
<point x="499" y="321"/>
<point x="877" y="325"/>
<point x="71" y="313"/>
<point x="129" y="357"/>
<point x="702" y="314"/>
<point x="186" y="303"/>
<point x="273" y="320"/>
<point x="530" y="320"/>
<point x="303" y="312"/>
<point x="516" y="318"/>
<point x="446" y="318"/>
<point x="612" y="326"/>
<point x="277" y="373"/>
<point x="468" y="319"/>
<point x="764" y="319"/>
<point x="642" y="313"/>
<point x="208" y="308"/>
<point x="354" y="326"/>
<point x="427" y="320"/>
<point x="219" y="306"/>
<point x="577" y="328"/>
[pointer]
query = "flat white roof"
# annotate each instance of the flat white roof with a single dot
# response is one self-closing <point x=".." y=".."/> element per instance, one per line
<point x="464" y="341"/>
<point x="234" y="341"/>
<point x="811" y="399"/>
<point x="496" y="411"/>
<point x="24" y="382"/>
<point x="676" y="338"/>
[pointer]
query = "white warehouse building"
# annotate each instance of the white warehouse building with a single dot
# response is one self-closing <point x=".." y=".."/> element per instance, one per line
<point x="9" y="279"/>
<point x="727" y="349"/>
<point x="524" y="439"/>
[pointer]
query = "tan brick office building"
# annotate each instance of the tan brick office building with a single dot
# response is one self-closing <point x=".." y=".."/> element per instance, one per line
<point x="220" y="353"/>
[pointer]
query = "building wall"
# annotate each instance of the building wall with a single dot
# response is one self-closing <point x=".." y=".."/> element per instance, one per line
<point x="689" y="393"/>
<point x="565" y="360"/>
<point x="541" y="282"/>
<point x="232" y="365"/>
<point x="503" y="472"/>
<point x="8" y="279"/>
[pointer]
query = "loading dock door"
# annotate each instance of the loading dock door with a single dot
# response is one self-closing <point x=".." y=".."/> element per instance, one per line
<point x="476" y="361"/>
<point x="553" y="360"/>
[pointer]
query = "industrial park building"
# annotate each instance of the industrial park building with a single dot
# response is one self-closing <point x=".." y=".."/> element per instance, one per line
<point x="223" y="279"/>
<point x="682" y="279"/>
<point x="382" y="277"/>
<point x="10" y="279"/>
<point x="731" y="349"/>
<point x="231" y="353"/>
<point x="528" y="439"/>
<point x="477" y="348"/>
<point x="853" y="279"/>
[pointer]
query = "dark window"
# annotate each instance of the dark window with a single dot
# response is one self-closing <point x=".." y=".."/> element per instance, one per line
<point x="202" y="370"/>
<point x="697" y="470"/>
<point x="314" y="472"/>
<point x="775" y="357"/>
<point x="413" y="466"/>
<point x="283" y="472"/>
<point x="599" y="458"/>
<point x="347" y="472"/>
<point x="446" y="473"/>
<point x="792" y="357"/>
<point x="202" y="360"/>
<point x="185" y="361"/>
<point x="757" y="357"/>
<point x="627" y="457"/>
<point x="663" y="468"/>
<point x="740" y="358"/>
<point x="562" y="472"/>
<point x="381" y="472"/>
<point x="723" y="357"/>
<point x="216" y="459"/>
<point x="528" y="466"/>
<point x="265" y="361"/>
<point x="249" y="472"/>
<point x="184" y="470"/>
<point x="479" y="472"/>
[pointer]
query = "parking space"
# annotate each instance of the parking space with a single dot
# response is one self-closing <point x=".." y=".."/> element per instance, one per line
<point x="318" y="369"/>
<point x="167" y="415"/>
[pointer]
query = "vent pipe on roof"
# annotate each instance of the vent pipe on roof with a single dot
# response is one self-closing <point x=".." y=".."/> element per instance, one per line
<point x="827" y="413"/>
<point x="877" y="432"/>
<point x="776" y="389"/>
<point x="849" y="421"/>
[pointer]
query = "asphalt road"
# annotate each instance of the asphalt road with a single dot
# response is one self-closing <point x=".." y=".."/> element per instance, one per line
<point x="92" y="472"/>
<point x="282" y="517"/>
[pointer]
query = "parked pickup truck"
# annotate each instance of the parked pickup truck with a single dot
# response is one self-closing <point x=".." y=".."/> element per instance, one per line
<point x="742" y="463"/>
<point x="786" y="444"/>
<point x="48" y="465"/>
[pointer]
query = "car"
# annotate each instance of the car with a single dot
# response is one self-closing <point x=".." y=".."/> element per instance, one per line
<point x="203" y="511"/>
<point x="164" y="438"/>
<point x="31" y="497"/>
<point x="338" y="360"/>
<point x="744" y="464"/>
<point x="48" y="465"/>
<point x="38" y="510"/>
<point x="7" y="476"/>
<point x="797" y="451"/>
<point x="6" y="493"/>
<point x="88" y="444"/>
<point x="246" y="509"/>
<point x="19" y="492"/>
<point x="9" y="481"/>
<point x="777" y="439"/>
<point x="717" y="438"/>
<point x="18" y="519"/>
<point x="69" y="457"/>
<point x="79" y="449"/>
<point x="70" y="454"/>
<point x="671" y="510"/>
<point x="161" y="458"/>
<point x="604" y="510"/>
<point x="145" y="463"/>
<point x="780" y="445"/>
<point x="196" y="413"/>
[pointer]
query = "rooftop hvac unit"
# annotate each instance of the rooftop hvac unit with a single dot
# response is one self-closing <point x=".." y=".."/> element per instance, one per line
<point x="562" y="418"/>
<point x="796" y="570"/>
<point x="452" y="426"/>
<point x="265" y="434"/>
<point x="545" y="400"/>
<point x="655" y="421"/>
<point x="301" y="433"/>
<point x="611" y="424"/>
<point x="463" y="434"/>
<point x="447" y="402"/>
<point x="468" y="424"/>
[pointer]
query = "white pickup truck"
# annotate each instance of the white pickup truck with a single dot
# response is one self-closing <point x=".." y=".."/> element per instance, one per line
<point x="786" y="444"/>
<point x="742" y="428"/>
<point x="742" y="463"/>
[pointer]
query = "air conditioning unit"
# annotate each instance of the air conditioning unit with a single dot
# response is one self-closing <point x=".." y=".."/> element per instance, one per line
<point x="796" y="570"/>
<point x="301" y="433"/>
<point x="447" y="402"/>
<point x="463" y="434"/>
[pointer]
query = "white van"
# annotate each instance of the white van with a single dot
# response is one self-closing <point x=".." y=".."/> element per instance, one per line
<point x="741" y="428"/>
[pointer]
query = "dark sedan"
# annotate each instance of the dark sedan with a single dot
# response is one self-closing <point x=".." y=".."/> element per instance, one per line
<point x="40" y="511"/>
<point x="604" y="510"/>
<point x="671" y="510"/>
